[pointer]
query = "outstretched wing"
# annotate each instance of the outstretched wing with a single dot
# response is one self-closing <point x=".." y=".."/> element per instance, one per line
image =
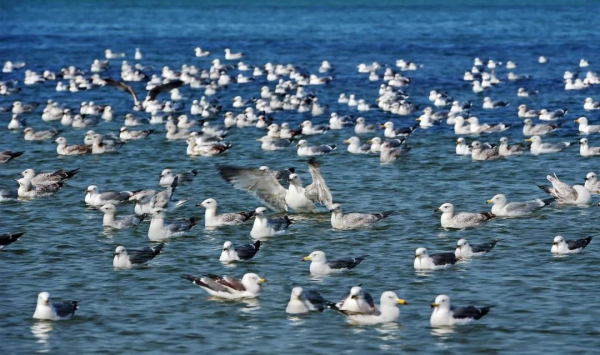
<point x="123" y="87"/>
<point x="318" y="190"/>
<point x="152" y="94"/>
<point x="261" y="184"/>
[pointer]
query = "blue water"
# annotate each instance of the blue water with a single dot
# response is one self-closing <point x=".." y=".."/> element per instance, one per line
<point x="542" y="303"/>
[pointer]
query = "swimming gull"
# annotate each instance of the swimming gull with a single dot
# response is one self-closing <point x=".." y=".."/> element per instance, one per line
<point x="212" y="219"/>
<point x="123" y="222"/>
<point x="123" y="258"/>
<point x="591" y="182"/>
<point x="305" y="150"/>
<point x="94" y="197"/>
<point x="565" y="194"/>
<point x="424" y="261"/>
<point x="462" y="219"/>
<point x="236" y="253"/>
<point x="50" y="178"/>
<point x="391" y="132"/>
<point x="28" y="190"/>
<point x="502" y="208"/>
<point x="47" y="310"/>
<point x="362" y="128"/>
<point x="505" y="150"/>
<point x="280" y="175"/>
<point x="523" y="112"/>
<point x="445" y="315"/>
<point x="161" y="229"/>
<point x="389" y="154"/>
<point x="167" y="176"/>
<point x="355" y="147"/>
<point x="63" y="149"/>
<point x="537" y="147"/>
<point x="465" y="250"/>
<point x="537" y="130"/>
<point x="585" y="127"/>
<point x="586" y="151"/>
<point x="270" y="144"/>
<point x="126" y="134"/>
<point x="462" y="148"/>
<point x="320" y="266"/>
<point x="8" y="238"/>
<point x="339" y="220"/>
<point x="545" y="115"/>
<point x="386" y="312"/>
<point x="560" y="246"/>
<point x="30" y="135"/>
<point x="480" y="152"/>
<point x="302" y="301"/>
<point x="228" y="287"/>
<point x="264" y="227"/>
<point x="152" y="94"/>
<point x="308" y="129"/>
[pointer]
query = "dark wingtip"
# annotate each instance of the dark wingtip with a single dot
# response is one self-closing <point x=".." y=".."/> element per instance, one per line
<point x="158" y="248"/>
<point x="257" y="245"/>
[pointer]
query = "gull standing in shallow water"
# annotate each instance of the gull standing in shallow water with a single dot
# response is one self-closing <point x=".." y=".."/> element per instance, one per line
<point x="319" y="265"/>
<point x="464" y="250"/>
<point x="228" y="287"/>
<point x="562" y="246"/>
<point x="424" y="261"/>
<point x="123" y="258"/>
<point x="462" y="219"/>
<point x="242" y="252"/>
<point x="212" y="219"/>
<point x="502" y="208"/>
<point x="565" y="194"/>
<point x="386" y="312"/>
<point x="47" y="310"/>
<point x="354" y="220"/>
<point x="445" y="315"/>
<point x="305" y="301"/>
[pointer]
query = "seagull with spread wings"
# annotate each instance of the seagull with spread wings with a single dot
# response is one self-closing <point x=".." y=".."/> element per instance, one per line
<point x="265" y="187"/>
<point x="151" y="96"/>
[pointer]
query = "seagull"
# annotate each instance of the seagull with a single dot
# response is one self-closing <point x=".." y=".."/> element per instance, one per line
<point x="280" y="175"/>
<point x="308" y="129"/>
<point x="264" y="227"/>
<point x="8" y="155"/>
<point x="305" y="301"/>
<point x="545" y="115"/>
<point x="586" y="151"/>
<point x="586" y="128"/>
<point x="356" y="301"/>
<point x="505" y="150"/>
<point x="264" y="186"/>
<point x="94" y="197"/>
<point x="147" y="200"/>
<point x="232" y="56"/>
<point x="390" y="132"/>
<point x="465" y="250"/>
<point x="523" y="112"/>
<point x="28" y="190"/>
<point x="462" y="148"/>
<point x="386" y="312"/>
<point x="389" y="154"/>
<point x="305" y="150"/>
<point x="161" y="229"/>
<point x="502" y="208"/>
<point x="589" y="104"/>
<point x="445" y="315"/>
<point x="30" y="135"/>
<point x="125" y="134"/>
<point x="538" y="130"/>
<point x="242" y="252"/>
<point x="355" y="147"/>
<point x="489" y="104"/>
<point x="152" y="94"/>
<point x="424" y="261"/>
<point x="565" y="194"/>
<point x="167" y="177"/>
<point x="212" y="219"/>
<point x="47" y="310"/>
<point x="354" y="220"/>
<point x="485" y="152"/>
<point x="101" y="147"/>
<point x="228" y="287"/>
<point x="591" y="182"/>
<point x="123" y="258"/>
<point x="537" y="147"/>
<point x="461" y="220"/>
<point x="560" y="246"/>
<point x="123" y="222"/>
<point x="63" y="149"/>
<point x="50" y="178"/>
<point x="8" y="238"/>
<point x="320" y="266"/>
<point x="362" y="128"/>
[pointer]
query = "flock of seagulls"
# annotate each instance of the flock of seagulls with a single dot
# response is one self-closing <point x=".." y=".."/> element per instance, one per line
<point x="283" y="191"/>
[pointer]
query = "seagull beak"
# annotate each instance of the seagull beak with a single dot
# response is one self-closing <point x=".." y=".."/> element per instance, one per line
<point x="306" y="258"/>
<point x="87" y="191"/>
<point x="401" y="301"/>
<point x="259" y="140"/>
<point x="433" y="305"/>
<point x="418" y="119"/>
<point x="382" y="126"/>
<point x="457" y="142"/>
<point x="346" y="141"/>
<point x="115" y="254"/>
<point x="370" y="141"/>
<point x="555" y="243"/>
<point x="261" y="281"/>
<point x="46" y="301"/>
<point x="598" y="204"/>
<point x="416" y="256"/>
<point x="436" y="210"/>
<point x="577" y="120"/>
<point x="488" y="202"/>
<point x="528" y="140"/>
<point x="459" y="247"/>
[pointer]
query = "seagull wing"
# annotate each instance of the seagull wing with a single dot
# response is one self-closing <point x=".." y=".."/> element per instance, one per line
<point x="318" y="190"/>
<point x="123" y="87"/>
<point x="261" y="184"/>
<point x="152" y="94"/>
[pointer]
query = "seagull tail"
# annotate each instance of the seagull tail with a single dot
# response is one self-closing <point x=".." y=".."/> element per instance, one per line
<point x="72" y="173"/>
<point x="158" y="248"/>
<point x="548" y="201"/>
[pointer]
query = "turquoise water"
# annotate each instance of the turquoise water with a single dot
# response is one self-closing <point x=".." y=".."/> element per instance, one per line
<point x="542" y="303"/>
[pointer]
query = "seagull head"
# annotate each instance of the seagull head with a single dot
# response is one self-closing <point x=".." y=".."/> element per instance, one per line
<point x="336" y="208"/>
<point x="441" y="301"/>
<point x="317" y="256"/>
<point x="499" y="199"/>
<point x="462" y="243"/>
<point x="227" y="245"/>
<point x="92" y="189"/>
<point x="43" y="298"/>
<point x="445" y="208"/>
<point x="356" y="292"/>
<point x="389" y="298"/>
<point x="260" y="211"/>
<point x="108" y="208"/>
<point x="589" y="177"/>
<point x="296" y="293"/>
<point x="28" y="173"/>
<point x="420" y="252"/>
<point x="208" y="203"/>
<point x="558" y="240"/>
<point x="120" y="250"/>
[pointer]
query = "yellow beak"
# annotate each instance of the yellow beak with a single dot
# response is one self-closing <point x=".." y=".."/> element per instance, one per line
<point x="577" y="120"/>
<point x="370" y="141"/>
<point x="87" y="191"/>
<point x="433" y="305"/>
<point x="418" y="119"/>
<point x="306" y="258"/>
<point x="346" y="141"/>
<point x="401" y="301"/>
<point x="416" y="256"/>
<point x="261" y="280"/>
<point x="528" y="140"/>
<point x="488" y="201"/>
<point x="382" y="126"/>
